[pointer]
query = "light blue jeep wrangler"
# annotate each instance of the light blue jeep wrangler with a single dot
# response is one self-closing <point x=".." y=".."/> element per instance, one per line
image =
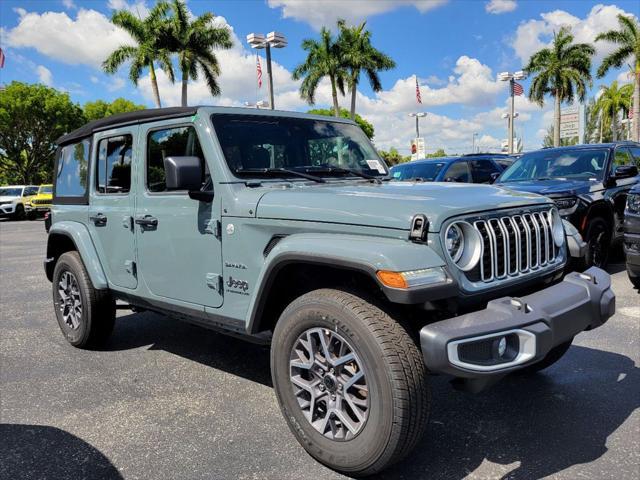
<point x="284" y="228"/>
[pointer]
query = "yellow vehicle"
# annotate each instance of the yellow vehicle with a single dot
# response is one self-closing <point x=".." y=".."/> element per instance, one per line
<point x="40" y="203"/>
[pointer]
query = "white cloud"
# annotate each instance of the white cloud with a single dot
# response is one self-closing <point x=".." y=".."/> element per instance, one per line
<point x="320" y="13"/>
<point x="625" y="76"/>
<point x="533" y="35"/>
<point x="69" y="4"/>
<point x="138" y="8"/>
<point x="116" y="84"/>
<point x="500" y="6"/>
<point x="93" y="79"/>
<point x="86" y="40"/>
<point x="21" y="12"/>
<point x="44" y="75"/>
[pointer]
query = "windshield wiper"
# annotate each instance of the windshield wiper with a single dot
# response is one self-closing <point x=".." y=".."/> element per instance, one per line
<point x="329" y="169"/>
<point x="281" y="171"/>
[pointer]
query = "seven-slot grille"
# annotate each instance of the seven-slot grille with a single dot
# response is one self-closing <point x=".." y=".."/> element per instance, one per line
<point x="41" y="202"/>
<point x="513" y="245"/>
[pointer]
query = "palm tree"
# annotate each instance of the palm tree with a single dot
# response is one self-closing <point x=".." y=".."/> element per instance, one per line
<point x="323" y="60"/>
<point x="628" y="41"/>
<point x="148" y="49"/>
<point x="611" y="102"/>
<point x="563" y="70"/>
<point x="357" y="55"/>
<point x="194" y="42"/>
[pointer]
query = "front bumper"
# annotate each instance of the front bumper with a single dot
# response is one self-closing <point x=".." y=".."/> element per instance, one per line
<point x="533" y="324"/>
<point x="7" y="209"/>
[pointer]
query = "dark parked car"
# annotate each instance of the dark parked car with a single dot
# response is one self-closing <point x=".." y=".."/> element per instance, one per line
<point x="588" y="183"/>
<point x="632" y="235"/>
<point x="474" y="168"/>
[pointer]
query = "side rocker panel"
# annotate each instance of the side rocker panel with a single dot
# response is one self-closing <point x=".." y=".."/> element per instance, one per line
<point x="79" y="235"/>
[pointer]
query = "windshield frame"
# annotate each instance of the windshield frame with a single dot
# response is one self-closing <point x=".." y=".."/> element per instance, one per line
<point x="559" y="153"/>
<point x="365" y="147"/>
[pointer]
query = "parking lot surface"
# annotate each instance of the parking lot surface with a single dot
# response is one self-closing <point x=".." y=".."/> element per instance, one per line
<point x="168" y="400"/>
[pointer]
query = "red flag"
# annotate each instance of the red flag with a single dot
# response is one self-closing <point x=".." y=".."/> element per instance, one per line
<point x="1" y="58"/>
<point x="259" y="70"/>
<point x="517" y="89"/>
<point x="418" y="96"/>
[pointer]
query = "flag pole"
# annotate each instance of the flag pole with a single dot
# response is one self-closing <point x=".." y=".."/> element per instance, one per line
<point x="511" y="119"/>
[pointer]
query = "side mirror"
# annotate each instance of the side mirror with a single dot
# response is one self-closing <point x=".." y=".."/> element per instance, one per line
<point x="625" y="171"/>
<point x="494" y="177"/>
<point x="183" y="173"/>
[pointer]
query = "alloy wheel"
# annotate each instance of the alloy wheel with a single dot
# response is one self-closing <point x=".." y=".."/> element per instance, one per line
<point x="70" y="301"/>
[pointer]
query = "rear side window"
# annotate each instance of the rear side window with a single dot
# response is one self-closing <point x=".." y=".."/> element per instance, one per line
<point x="170" y="142"/>
<point x="114" y="164"/>
<point x="71" y="177"/>
<point x="482" y="170"/>
<point x="458" y="172"/>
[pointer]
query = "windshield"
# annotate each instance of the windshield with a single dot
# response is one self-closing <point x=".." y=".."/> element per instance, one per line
<point x="544" y="164"/>
<point x="412" y="171"/>
<point x="10" y="192"/>
<point x="255" y="145"/>
<point x="46" y="189"/>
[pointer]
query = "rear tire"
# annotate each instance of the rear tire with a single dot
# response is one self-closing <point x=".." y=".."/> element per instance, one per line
<point x="85" y="315"/>
<point x="598" y="238"/>
<point x="555" y="354"/>
<point x="392" y="382"/>
<point x="633" y="278"/>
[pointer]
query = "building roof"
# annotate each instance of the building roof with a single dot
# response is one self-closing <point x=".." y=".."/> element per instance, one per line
<point x="122" y="119"/>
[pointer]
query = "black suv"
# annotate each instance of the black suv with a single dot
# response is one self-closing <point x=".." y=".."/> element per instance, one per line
<point x="632" y="235"/>
<point x="588" y="183"/>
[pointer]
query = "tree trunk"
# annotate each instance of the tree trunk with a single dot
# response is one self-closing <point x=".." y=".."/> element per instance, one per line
<point x="635" y="134"/>
<point x="354" y="90"/>
<point x="614" y="126"/>
<point x="556" y="121"/>
<point x="185" y="80"/>
<point x="334" y="96"/>
<point x="154" y="85"/>
<point x="601" y="125"/>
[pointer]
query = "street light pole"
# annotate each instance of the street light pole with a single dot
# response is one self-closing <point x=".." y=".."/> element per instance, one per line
<point x="418" y="116"/>
<point x="259" y="41"/>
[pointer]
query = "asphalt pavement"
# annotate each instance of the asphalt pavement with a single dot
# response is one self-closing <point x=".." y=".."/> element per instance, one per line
<point x="168" y="400"/>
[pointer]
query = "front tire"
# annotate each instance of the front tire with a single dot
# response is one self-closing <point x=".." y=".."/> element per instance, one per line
<point x="19" y="214"/>
<point x="598" y="240"/>
<point x="85" y="315"/>
<point x="350" y="381"/>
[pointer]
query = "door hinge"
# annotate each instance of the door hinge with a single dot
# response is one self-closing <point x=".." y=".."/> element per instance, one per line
<point x="214" y="227"/>
<point x="130" y="267"/>
<point x="214" y="281"/>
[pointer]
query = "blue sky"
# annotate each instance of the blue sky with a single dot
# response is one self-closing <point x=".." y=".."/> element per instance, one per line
<point x="455" y="47"/>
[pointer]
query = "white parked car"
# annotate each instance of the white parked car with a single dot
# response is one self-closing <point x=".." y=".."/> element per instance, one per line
<point x="13" y="199"/>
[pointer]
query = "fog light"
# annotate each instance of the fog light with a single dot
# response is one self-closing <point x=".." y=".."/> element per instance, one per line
<point x="502" y="347"/>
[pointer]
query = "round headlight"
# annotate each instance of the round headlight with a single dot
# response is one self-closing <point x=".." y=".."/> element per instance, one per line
<point x="463" y="244"/>
<point x="453" y="242"/>
<point x="556" y="227"/>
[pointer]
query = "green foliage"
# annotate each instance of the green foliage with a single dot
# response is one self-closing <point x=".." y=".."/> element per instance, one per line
<point x="194" y="41"/>
<point x="437" y="154"/>
<point x="366" y="127"/>
<point x="547" y="142"/>
<point x="32" y="117"/>
<point x="101" y="109"/>
<point x="393" y="157"/>
<point x="358" y="55"/>
<point x="627" y="39"/>
<point x="611" y="102"/>
<point x="149" y="46"/>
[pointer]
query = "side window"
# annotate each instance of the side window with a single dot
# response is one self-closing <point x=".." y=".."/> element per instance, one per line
<point x="621" y="157"/>
<point x="635" y="151"/>
<point x="458" y="172"/>
<point x="29" y="191"/>
<point x="482" y="170"/>
<point x="71" y="177"/>
<point x="169" y="142"/>
<point x="114" y="164"/>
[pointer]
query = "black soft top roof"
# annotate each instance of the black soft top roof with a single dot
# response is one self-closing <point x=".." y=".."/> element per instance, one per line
<point x="129" y="118"/>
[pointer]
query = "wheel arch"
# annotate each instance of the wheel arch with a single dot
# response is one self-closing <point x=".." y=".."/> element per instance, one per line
<point x="69" y="236"/>
<point x="599" y="209"/>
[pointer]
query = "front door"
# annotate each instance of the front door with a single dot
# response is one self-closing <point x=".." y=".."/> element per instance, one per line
<point x="111" y="205"/>
<point x="178" y="238"/>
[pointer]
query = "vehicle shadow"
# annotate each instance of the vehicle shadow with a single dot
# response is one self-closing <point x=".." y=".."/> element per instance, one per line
<point x="38" y="451"/>
<point x="534" y="425"/>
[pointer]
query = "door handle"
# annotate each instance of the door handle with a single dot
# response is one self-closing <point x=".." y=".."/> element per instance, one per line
<point x="99" y="220"/>
<point x="147" y="221"/>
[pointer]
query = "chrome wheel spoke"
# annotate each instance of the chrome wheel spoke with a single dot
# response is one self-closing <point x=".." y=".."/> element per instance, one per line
<point x="70" y="300"/>
<point x="329" y="383"/>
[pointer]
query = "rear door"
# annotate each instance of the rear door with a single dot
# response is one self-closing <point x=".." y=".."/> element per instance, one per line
<point x="619" y="188"/>
<point x="111" y="204"/>
<point x="179" y="244"/>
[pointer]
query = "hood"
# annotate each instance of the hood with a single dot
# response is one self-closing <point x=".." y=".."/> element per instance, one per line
<point x="388" y="205"/>
<point x="554" y="186"/>
<point x="7" y="198"/>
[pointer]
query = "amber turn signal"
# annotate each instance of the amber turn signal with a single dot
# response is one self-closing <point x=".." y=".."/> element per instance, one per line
<point x="392" y="279"/>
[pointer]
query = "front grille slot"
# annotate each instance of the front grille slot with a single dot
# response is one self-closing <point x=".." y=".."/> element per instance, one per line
<point x="514" y="245"/>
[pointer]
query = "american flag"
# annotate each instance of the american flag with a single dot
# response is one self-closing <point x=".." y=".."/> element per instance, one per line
<point x="259" y="70"/>
<point x="517" y="89"/>
<point x="418" y="96"/>
<point x="1" y="58"/>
